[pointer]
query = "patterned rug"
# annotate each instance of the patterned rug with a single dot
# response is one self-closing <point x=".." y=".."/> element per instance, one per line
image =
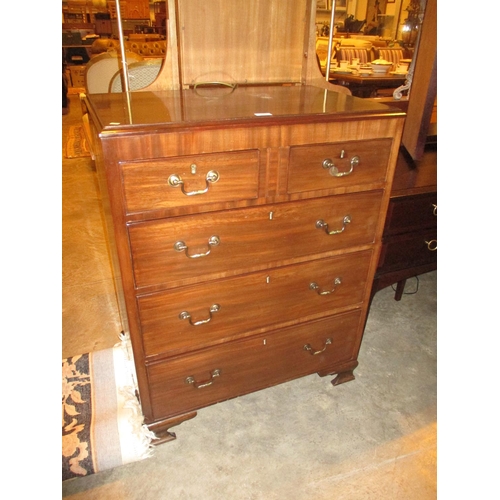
<point x="76" y="145"/>
<point x="102" y="422"/>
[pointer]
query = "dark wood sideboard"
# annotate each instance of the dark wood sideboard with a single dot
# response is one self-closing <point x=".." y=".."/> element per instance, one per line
<point x="409" y="244"/>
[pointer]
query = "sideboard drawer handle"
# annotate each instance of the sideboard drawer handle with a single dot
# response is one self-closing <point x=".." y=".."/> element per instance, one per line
<point x="434" y="210"/>
<point x="315" y="286"/>
<point x="201" y="385"/>
<point x="176" y="181"/>
<point x="308" y="347"/>
<point x="334" y="171"/>
<point x="321" y="224"/>
<point x="432" y="245"/>
<point x="186" y="315"/>
<point x="180" y="246"/>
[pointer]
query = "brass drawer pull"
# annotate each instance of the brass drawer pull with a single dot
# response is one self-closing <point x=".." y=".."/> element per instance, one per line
<point x="180" y="246"/>
<point x="334" y="171"/>
<point x="308" y="347"/>
<point x="321" y="224"/>
<point x="176" y="180"/>
<point x="315" y="286"/>
<point x="432" y="245"/>
<point x="201" y="385"/>
<point x="213" y="309"/>
<point x="434" y="210"/>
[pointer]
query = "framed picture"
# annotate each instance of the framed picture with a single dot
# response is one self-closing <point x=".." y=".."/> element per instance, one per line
<point x="322" y="4"/>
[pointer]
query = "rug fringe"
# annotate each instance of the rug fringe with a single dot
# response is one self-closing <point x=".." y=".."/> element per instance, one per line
<point x="144" y="436"/>
<point x="126" y="344"/>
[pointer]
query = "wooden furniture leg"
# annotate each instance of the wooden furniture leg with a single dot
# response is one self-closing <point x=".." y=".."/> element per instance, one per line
<point x="400" y="288"/>
<point x="161" y="429"/>
<point x="343" y="377"/>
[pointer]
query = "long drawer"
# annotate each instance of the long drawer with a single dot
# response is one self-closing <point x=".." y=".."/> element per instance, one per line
<point x="199" y="379"/>
<point x="198" y="315"/>
<point x="190" y="180"/>
<point x="338" y="165"/>
<point x="409" y="250"/>
<point x="190" y="249"/>
<point x="411" y="213"/>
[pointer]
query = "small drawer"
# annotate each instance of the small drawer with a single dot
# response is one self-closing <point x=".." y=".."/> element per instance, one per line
<point x="338" y="165"/>
<point x="189" y="382"/>
<point x="190" y="180"/>
<point x="204" y="314"/>
<point x="411" y="213"/>
<point x="409" y="250"/>
<point x="195" y="248"/>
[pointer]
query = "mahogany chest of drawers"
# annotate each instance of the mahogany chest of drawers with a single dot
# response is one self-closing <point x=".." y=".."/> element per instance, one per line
<point x="245" y="228"/>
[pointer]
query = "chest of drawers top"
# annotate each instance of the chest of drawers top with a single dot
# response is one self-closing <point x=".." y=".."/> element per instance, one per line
<point x="263" y="105"/>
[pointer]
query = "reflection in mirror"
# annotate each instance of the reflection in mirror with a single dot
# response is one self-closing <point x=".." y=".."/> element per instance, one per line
<point x="394" y="21"/>
<point x="92" y="44"/>
<point x="369" y="31"/>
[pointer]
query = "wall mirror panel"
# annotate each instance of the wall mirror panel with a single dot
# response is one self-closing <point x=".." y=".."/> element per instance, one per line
<point x="391" y="20"/>
<point x="409" y="24"/>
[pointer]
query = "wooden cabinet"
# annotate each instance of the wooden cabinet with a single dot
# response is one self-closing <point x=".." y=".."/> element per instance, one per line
<point x="130" y="9"/>
<point x="410" y="233"/>
<point x="103" y="27"/>
<point x="245" y="221"/>
<point x="244" y="261"/>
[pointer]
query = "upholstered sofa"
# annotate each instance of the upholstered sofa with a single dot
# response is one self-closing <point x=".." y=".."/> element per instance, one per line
<point x="157" y="48"/>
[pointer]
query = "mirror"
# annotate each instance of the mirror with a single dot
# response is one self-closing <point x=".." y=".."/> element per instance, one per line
<point x="391" y="20"/>
<point x="412" y="24"/>
<point x="91" y="44"/>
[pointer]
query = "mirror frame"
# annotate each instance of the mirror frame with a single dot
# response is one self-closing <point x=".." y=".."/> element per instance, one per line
<point x="423" y="92"/>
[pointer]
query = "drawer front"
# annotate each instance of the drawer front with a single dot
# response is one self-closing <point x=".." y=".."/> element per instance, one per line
<point x="190" y="180"/>
<point x="195" y="248"/>
<point x="327" y="166"/>
<point x="411" y="213"/>
<point x="251" y="364"/>
<point x="409" y="250"/>
<point x="244" y="304"/>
